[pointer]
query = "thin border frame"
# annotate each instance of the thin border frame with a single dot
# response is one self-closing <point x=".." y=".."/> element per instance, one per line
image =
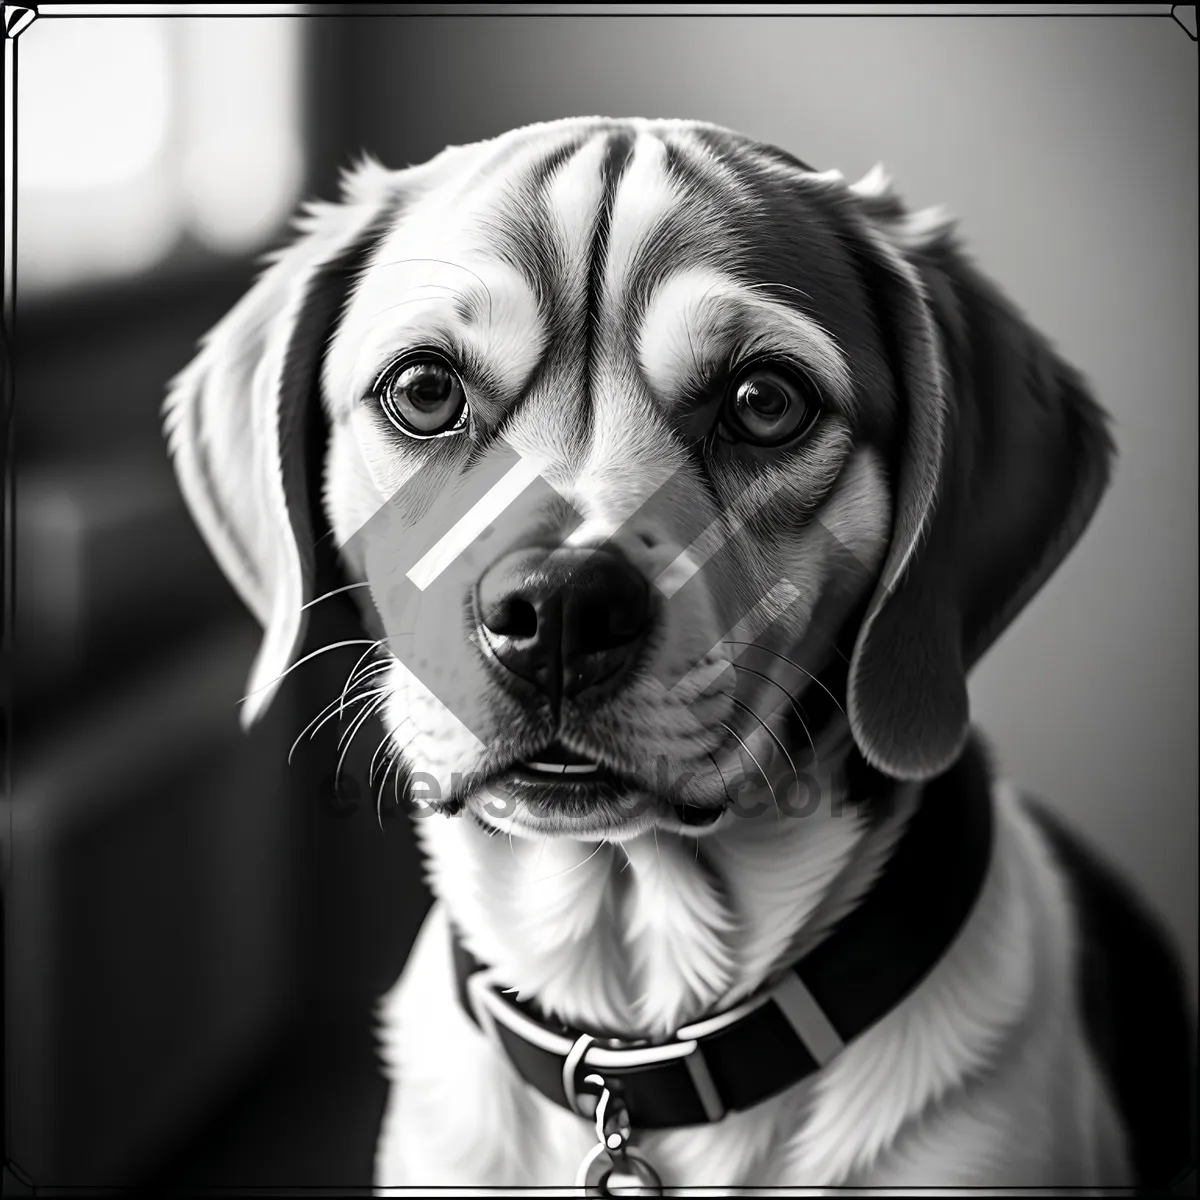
<point x="17" y="18"/>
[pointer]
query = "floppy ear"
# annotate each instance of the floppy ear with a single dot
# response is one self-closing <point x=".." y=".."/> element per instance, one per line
<point x="1003" y="460"/>
<point x="235" y="418"/>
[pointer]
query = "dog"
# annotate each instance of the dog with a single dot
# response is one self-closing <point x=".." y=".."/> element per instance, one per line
<point x="679" y="486"/>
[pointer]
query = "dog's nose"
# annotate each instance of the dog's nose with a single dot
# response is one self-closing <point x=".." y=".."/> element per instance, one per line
<point x="565" y="620"/>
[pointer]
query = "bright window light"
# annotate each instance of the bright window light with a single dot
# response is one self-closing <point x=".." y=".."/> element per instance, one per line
<point x="137" y="133"/>
<point x="94" y="102"/>
<point x="241" y="153"/>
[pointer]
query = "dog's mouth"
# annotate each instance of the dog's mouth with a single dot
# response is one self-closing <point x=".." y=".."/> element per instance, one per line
<point x="567" y="790"/>
<point x="556" y="764"/>
<point x="557" y="777"/>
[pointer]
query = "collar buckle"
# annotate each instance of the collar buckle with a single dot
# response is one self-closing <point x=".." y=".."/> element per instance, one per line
<point x="580" y="1103"/>
<point x="490" y="1009"/>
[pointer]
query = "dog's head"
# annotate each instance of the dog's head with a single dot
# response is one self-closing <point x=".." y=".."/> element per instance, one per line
<point x="643" y="439"/>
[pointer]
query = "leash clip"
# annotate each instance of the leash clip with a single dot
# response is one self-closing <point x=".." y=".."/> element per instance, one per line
<point x="612" y="1167"/>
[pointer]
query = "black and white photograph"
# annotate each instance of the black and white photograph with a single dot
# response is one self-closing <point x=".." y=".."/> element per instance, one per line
<point x="599" y="600"/>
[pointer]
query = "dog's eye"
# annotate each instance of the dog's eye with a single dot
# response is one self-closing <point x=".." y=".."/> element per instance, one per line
<point x="423" y="397"/>
<point x="767" y="405"/>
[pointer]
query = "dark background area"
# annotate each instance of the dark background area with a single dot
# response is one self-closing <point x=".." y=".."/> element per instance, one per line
<point x="195" y="932"/>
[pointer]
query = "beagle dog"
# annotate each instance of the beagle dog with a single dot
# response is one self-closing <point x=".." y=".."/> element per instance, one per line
<point x="679" y="486"/>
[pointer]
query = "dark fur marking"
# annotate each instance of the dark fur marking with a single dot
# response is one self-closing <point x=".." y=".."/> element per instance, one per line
<point x="1135" y="1008"/>
<point x="620" y="149"/>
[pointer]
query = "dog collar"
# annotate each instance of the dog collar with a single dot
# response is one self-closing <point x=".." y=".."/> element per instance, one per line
<point x="871" y="960"/>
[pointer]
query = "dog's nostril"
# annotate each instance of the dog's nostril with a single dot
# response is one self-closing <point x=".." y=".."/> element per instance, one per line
<point x="512" y="617"/>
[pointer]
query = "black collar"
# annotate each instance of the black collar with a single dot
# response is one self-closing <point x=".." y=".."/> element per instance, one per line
<point x="732" y="1061"/>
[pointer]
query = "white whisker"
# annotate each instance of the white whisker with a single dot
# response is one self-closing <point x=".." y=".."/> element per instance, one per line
<point x="348" y="736"/>
<point x="774" y="798"/>
<point x="302" y="661"/>
<point x="784" y="657"/>
<point x="327" y="714"/>
<point x="770" y="733"/>
<point x="335" y="592"/>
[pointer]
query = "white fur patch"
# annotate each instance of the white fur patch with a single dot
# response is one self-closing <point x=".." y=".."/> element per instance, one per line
<point x="680" y="932"/>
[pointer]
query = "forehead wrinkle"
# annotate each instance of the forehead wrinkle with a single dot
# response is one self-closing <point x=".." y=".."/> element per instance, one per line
<point x="647" y="196"/>
<point x="754" y="158"/>
<point x="481" y="213"/>
<point x="698" y="317"/>
<point x="711" y="222"/>
<point x="686" y="206"/>
<point x="573" y="197"/>
<point x="714" y="165"/>
<point x="667" y="209"/>
<point x="526" y="227"/>
<point x="518" y="152"/>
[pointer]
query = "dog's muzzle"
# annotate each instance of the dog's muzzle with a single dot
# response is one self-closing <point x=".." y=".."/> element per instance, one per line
<point x="564" y="622"/>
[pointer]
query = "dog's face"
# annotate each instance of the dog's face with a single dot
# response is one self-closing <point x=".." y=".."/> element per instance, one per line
<point x="592" y="302"/>
<point x="613" y="407"/>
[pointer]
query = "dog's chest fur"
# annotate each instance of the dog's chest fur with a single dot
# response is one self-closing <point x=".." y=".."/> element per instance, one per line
<point x="928" y="1096"/>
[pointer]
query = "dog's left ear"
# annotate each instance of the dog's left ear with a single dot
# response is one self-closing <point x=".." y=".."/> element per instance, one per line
<point x="1002" y="462"/>
<point x="235" y="418"/>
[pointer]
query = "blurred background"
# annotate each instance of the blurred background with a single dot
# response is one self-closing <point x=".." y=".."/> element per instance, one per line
<point x="194" y="932"/>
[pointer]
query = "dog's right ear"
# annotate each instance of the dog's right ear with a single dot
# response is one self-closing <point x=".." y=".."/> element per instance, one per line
<point x="1002" y="462"/>
<point x="235" y="416"/>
